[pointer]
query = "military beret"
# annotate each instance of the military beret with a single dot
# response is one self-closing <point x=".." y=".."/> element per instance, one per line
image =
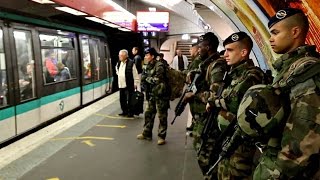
<point x="209" y="36"/>
<point x="283" y="14"/>
<point x="235" y="37"/>
<point x="151" y="51"/>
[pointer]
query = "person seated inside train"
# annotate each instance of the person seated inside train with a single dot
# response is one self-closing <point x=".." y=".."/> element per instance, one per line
<point x="25" y="83"/>
<point x="87" y="71"/>
<point x="63" y="72"/>
<point x="3" y="88"/>
<point x="50" y="63"/>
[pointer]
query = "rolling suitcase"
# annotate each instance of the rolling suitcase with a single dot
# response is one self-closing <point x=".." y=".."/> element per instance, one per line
<point x="137" y="100"/>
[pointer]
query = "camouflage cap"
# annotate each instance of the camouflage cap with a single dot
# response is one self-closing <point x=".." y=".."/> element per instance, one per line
<point x="238" y="36"/>
<point x="260" y="111"/>
<point x="283" y="14"/>
<point x="151" y="51"/>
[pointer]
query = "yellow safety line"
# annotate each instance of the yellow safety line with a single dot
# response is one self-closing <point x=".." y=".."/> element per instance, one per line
<point x="85" y="137"/>
<point x="112" y="126"/>
<point x="114" y="117"/>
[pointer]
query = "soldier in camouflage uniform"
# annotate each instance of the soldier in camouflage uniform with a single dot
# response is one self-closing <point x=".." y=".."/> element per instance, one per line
<point x="194" y="65"/>
<point x="195" y="57"/>
<point x="243" y="75"/>
<point x="208" y="52"/>
<point x="295" y="153"/>
<point x="157" y="96"/>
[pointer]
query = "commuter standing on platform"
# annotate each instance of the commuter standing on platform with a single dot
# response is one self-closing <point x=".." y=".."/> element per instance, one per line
<point x="242" y="74"/>
<point x="138" y="62"/>
<point x="127" y="80"/>
<point x="180" y="61"/>
<point x="294" y="154"/>
<point x="155" y="81"/>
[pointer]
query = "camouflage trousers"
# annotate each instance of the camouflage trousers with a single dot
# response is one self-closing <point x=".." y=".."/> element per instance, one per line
<point x="239" y="165"/>
<point x="199" y="121"/>
<point x="203" y="155"/>
<point x="155" y="106"/>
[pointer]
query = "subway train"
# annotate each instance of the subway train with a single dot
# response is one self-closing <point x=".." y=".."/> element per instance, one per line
<point x="48" y="70"/>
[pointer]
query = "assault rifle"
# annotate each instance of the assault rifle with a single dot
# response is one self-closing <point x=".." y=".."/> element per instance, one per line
<point x="182" y="104"/>
<point x="211" y="128"/>
<point x="227" y="142"/>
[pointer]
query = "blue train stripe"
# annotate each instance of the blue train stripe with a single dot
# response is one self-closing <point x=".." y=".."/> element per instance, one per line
<point x="22" y="108"/>
<point x="6" y="113"/>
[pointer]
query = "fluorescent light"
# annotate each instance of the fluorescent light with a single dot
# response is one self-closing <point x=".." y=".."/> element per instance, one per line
<point x="123" y="29"/>
<point x="71" y="11"/>
<point x="194" y="40"/>
<point x="185" y="37"/>
<point x="153" y="9"/>
<point x="112" y="25"/>
<point x="96" y="20"/>
<point x="44" y="1"/>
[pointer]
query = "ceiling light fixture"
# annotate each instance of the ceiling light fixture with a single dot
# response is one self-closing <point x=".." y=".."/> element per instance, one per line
<point x="43" y="1"/>
<point x="71" y="11"/>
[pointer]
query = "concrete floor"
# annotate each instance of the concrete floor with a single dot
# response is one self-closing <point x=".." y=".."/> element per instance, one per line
<point x="103" y="146"/>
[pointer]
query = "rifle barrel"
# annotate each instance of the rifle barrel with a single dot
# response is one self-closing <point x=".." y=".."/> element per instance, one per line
<point x="175" y="117"/>
<point x="214" y="166"/>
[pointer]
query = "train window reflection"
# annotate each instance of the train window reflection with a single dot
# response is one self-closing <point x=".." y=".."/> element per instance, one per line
<point x="3" y="74"/>
<point x="25" y="62"/>
<point x="96" y="59"/>
<point x="86" y="60"/>
<point x="55" y="41"/>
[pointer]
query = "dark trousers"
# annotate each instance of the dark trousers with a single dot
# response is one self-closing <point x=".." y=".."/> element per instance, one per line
<point x="125" y="100"/>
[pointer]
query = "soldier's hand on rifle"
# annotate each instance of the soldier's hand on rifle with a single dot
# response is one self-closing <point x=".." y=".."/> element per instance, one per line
<point x="188" y="79"/>
<point x="208" y="107"/>
<point x="187" y="96"/>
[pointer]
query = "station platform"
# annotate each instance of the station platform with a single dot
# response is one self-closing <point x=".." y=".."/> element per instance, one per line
<point x="95" y="143"/>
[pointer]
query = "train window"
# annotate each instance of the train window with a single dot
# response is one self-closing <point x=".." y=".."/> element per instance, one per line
<point x="96" y="59"/>
<point x="86" y="60"/>
<point x="55" y="41"/>
<point x="58" y="65"/>
<point x="24" y="51"/>
<point x="3" y="74"/>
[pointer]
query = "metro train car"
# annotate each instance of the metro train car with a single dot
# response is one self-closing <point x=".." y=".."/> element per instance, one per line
<point x="48" y="70"/>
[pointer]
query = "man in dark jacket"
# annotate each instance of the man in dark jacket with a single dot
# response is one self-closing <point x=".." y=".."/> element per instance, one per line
<point x="127" y="81"/>
<point x="138" y="62"/>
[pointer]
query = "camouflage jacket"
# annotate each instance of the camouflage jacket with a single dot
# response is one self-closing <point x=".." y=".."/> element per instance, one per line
<point x="213" y="75"/>
<point x="194" y="63"/>
<point x="242" y="77"/>
<point x="154" y="79"/>
<point x="296" y="156"/>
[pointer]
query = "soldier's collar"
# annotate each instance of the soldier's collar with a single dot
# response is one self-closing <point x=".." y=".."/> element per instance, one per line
<point x="285" y="59"/>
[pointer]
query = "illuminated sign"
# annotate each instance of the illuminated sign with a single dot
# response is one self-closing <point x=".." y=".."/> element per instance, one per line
<point x="153" y="21"/>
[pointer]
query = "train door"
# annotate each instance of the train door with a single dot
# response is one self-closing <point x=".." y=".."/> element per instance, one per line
<point x="87" y="78"/>
<point x="24" y="65"/>
<point x="7" y="110"/>
<point x="108" y="67"/>
<point x="96" y="68"/>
